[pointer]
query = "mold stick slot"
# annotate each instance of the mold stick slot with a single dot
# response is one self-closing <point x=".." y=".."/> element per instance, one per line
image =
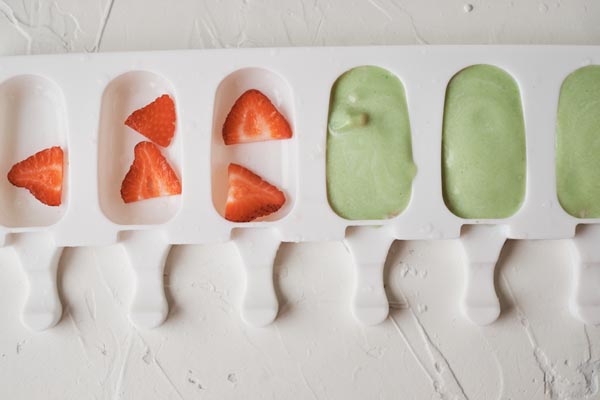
<point x="258" y="248"/>
<point x="147" y="252"/>
<point x="482" y="245"/>
<point x="585" y="301"/>
<point x="39" y="258"/>
<point x="369" y="247"/>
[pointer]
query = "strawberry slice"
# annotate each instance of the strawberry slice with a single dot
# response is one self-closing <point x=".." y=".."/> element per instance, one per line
<point x="253" y="118"/>
<point x="249" y="196"/>
<point x="156" y="121"/>
<point x="150" y="175"/>
<point x="41" y="174"/>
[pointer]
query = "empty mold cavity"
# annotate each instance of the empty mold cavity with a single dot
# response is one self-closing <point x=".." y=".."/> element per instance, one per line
<point x="32" y="118"/>
<point x="578" y="143"/>
<point x="273" y="160"/>
<point x="116" y="142"/>
<point x="483" y="144"/>
<point x="370" y="167"/>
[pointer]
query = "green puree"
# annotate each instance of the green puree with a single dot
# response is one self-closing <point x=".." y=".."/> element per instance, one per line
<point x="578" y="143"/>
<point x="483" y="144"/>
<point x="369" y="157"/>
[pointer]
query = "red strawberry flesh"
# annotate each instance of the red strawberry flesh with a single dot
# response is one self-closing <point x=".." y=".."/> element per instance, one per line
<point x="41" y="174"/>
<point x="253" y="118"/>
<point x="150" y="175"/>
<point x="156" y="120"/>
<point x="250" y="196"/>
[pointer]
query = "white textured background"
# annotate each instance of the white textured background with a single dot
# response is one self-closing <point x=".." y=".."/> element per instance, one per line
<point x="425" y="350"/>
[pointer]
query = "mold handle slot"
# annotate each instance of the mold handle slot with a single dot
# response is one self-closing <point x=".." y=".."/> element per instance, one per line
<point x="482" y="245"/>
<point x="39" y="258"/>
<point x="147" y="252"/>
<point x="585" y="301"/>
<point x="257" y="249"/>
<point x="369" y="247"/>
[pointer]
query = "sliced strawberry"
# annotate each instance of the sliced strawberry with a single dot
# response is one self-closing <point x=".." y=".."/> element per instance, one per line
<point x="150" y="175"/>
<point x="253" y="118"/>
<point x="156" y="121"/>
<point x="41" y="174"/>
<point x="249" y="196"/>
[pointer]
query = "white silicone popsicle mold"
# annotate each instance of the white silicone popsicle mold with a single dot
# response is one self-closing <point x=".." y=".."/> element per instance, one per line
<point x="80" y="101"/>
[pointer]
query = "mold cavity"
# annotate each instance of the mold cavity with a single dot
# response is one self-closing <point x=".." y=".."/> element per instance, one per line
<point x="273" y="160"/>
<point x="483" y="144"/>
<point x="578" y="143"/>
<point x="125" y="94"/>
<point x="32" y="118"/>
<point x="369" y="155"/>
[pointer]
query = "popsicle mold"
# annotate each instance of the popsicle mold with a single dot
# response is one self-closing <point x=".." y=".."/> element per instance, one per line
<point x="483" y="144"/>
<point x="32" y="118"/>
<point x="116" y="141"/>
<point x="578" y="143"/>
<point x="369" y="154"/>
<point x="82" y="102"/>
<point x="275" y="161"/>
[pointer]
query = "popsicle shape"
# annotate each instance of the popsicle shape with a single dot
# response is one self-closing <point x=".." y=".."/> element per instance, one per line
<point x="483" y="144"/>
<point x="369" y="156"/>
<point x="578" y="143"/>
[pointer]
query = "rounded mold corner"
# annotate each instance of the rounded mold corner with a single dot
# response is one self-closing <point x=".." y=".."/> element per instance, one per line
<point x="370" y="315"/>
<point x="116" y="142"/>
<point x="33" y="117"/>
<point x="275" y="161"/>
